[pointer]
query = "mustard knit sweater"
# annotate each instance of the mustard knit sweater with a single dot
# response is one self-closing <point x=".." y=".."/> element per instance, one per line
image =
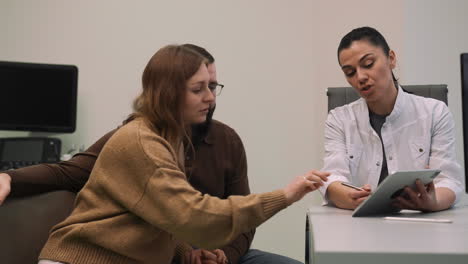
<point x="138" y="203"/>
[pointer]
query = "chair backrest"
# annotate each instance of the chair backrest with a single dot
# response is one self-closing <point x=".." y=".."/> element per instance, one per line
<point x="25" y="224"/>
<point x="338" y="96"/>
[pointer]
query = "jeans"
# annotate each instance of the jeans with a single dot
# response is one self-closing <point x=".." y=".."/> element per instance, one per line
<point x="253" y="256"/>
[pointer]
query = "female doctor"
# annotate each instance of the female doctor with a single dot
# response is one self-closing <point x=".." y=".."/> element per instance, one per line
<point x="386" y="130"/>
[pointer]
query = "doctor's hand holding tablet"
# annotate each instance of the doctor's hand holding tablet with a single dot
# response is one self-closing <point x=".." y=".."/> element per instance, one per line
<point x="417" y="197"/>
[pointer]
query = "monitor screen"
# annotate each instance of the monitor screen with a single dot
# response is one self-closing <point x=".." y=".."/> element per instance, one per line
<point x="464" y="81"/>
<point x="38" y="97"/>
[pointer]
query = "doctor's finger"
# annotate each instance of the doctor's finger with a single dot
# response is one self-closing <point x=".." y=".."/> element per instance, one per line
<point x="367" y="187"/>
<point x="407" y="204"/>
<point x="421" y="189"/>
<point x="412" y="195"/>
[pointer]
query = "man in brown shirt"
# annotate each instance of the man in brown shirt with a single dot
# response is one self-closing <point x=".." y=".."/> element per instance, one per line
<point x="217" y="167"/>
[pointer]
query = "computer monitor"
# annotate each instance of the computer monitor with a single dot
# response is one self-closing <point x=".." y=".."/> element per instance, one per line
<point x="38" y="97"/>
<point x="464" y="91"/>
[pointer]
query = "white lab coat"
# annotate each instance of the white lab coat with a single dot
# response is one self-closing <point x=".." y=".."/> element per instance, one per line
<point x="418" y="132"/>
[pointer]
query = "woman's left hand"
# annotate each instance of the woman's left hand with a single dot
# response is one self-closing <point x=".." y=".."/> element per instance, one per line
<point x="421" y="198"/>
<point x="220" y="256"/>
<point x="202" y="256"/>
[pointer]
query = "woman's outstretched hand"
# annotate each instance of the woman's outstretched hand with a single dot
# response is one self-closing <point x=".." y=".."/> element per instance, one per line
<point x="301" y="185"/>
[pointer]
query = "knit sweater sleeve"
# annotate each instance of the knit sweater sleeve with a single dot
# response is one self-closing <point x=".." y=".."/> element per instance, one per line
<point x="161" y="195"/>
<point x="181" y="249"/>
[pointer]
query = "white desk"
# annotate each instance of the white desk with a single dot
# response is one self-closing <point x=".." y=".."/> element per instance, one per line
<point x="333" y="236"/>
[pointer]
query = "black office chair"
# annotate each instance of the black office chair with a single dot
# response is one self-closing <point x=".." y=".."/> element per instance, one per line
<point x="338" y="96"/>
<point x="25" y="224"/>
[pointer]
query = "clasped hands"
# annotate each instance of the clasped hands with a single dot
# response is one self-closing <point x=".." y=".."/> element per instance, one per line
<point x="203" y="256"/>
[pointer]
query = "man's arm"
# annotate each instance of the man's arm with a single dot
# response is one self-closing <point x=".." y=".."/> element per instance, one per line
<point x="66" y="175"/>
<point x="237" y="183"/>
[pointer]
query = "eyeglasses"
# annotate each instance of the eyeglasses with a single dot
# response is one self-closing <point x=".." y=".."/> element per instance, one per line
<point x="215" y="88"/>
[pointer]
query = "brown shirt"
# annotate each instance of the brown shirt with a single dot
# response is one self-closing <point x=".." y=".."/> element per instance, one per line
<point x="218" y="168"/>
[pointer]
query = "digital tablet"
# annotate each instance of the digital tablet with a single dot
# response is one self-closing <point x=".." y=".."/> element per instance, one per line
<point x="380" y="201"/>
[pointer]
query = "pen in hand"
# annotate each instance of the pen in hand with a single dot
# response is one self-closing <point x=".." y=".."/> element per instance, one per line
<point x="352" y="186"/>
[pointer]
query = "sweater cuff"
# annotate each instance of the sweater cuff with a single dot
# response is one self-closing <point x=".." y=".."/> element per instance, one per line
<point x="273" y="202"/>
<point x="180" y="250"/>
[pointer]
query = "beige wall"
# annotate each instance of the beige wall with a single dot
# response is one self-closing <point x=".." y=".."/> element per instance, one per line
<point x="275" y="57"/>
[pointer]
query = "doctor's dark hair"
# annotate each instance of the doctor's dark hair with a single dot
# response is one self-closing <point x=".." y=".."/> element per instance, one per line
<point x="368" y="34"/>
